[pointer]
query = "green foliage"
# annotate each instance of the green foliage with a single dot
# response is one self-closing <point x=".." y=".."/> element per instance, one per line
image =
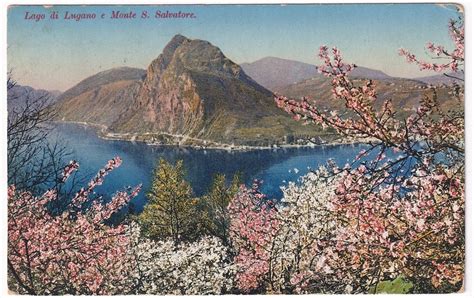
<point x="170" y="212"/>
<point x="214" y="216"/>
<point x="397" y="286"/>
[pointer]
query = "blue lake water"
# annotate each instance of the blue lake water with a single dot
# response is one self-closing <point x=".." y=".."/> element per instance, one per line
<point x="275" y="167"/>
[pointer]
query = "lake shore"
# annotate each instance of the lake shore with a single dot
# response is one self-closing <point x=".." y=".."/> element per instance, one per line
<point x="102" y="133"/>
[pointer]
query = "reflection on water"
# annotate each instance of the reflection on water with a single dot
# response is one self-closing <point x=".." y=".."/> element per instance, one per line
<point x="274" y="167"/>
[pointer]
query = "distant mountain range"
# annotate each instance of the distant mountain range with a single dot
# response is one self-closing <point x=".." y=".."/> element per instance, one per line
<point x="19" y="95"/>
<point x="193" y="94"/>
<point x="404" y="93"/>
<point x="297" y="79"/>
<point x="441" y="79"/>
<point x="274" y="73"/>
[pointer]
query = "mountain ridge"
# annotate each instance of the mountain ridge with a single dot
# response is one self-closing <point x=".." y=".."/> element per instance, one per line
<point x="441" y="79"/>
<point x="20" y="95"/>
<point x="190" y="90"/>
<point x="123" y="73"/>
<point x="275" y="73"/>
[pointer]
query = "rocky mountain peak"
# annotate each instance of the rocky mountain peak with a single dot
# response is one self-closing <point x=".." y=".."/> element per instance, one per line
<point x="182" y="54"/>
<point x="171" y="47"/>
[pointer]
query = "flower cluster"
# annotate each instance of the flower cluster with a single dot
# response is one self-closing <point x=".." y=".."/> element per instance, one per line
<point x="253" y="226"/>
<point x="163" y="267"/>
<point x="83" y="194"/>
<point x="69" y="169"/>
<point x="74" y="252"/>
<point x="455" y="58"/>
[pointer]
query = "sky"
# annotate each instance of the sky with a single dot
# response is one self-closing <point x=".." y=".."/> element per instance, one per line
<point x="55" y="54"/>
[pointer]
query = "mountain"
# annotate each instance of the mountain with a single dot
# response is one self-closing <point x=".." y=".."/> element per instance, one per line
<point x="361" y="72"/>
<point x="101" y="98"/>
<point x="19" y="96"/>
<point x="55" y="93"/>
<point x="441" y="79"/>
<point x="404" y="93"/>
<point x="103" y="78"/>
<point x="191" y="92"/>
<point x="296" y="79"/>
<point x="274" y="73"/>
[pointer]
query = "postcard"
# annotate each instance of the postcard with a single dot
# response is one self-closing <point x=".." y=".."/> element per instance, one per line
<point x="236" y="149"/>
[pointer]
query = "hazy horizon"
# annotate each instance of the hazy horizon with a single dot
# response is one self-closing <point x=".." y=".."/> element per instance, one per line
<point x="57" y="54"/>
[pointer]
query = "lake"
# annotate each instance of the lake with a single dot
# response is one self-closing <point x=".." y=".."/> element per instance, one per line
<point x="276" y="167"/>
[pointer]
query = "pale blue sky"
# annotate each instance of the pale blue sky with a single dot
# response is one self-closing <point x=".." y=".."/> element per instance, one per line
<point x="57" y="54"/>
